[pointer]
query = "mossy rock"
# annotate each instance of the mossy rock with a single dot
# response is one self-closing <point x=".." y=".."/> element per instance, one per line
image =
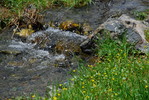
<point x="67" y="48"/>
<point x="69" y="25"/>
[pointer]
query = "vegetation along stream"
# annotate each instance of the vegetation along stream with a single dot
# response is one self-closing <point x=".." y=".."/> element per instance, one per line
<point x="41" y="49"/>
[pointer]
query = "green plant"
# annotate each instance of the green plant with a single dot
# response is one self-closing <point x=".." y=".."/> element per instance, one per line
<point x="146" y="32"/>
<point x="76" y="2"/>
<point x="140" y="15"/>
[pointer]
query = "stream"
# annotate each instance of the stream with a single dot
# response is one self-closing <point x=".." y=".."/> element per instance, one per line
<point x="49" y="56"/>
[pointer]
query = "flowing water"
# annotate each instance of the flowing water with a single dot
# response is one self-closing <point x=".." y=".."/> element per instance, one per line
<point x="48" y="56"/>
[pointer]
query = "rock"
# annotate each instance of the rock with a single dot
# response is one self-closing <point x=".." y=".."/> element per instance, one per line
<point x="87" y="46"/>
<point x="54" y="38"/>
<point x="13" y="47"/>
<point x="86" y="28"/>
<point x="132" y="29"/>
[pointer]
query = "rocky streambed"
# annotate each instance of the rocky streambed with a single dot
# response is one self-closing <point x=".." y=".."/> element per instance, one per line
<point x="29" y="65"/>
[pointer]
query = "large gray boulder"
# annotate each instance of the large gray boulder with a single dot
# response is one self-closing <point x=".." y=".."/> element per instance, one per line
<point x="127" y="27"/>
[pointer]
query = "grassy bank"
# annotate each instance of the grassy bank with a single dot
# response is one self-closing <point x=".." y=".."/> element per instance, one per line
<point x="12" y="9"/>
<point x="121" y="73"/>
<point x="18" y="5"/>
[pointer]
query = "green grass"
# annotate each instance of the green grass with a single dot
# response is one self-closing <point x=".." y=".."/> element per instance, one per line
<point x="76" y="3"/>
<point x="120" y="74"/>
<point x="146" y="32"/>
<point x="141" y="15"/>
<point x="12" y="9"/>
<point x="19" y="5"/>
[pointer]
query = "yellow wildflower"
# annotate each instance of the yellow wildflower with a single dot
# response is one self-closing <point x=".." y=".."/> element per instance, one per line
<point x="84" y="91"/>
<point x="64" y="88"/>
<point x="90" y="66"/>
<point x="54" y="98"/>
<point x="115" y="94"/>
<point x="59" y="94"/>
<point x="87" y="97"/>
<point x="74" y="70"/>
<point x="60" y="85"/>
<point x="145" y="46"/>
<point x="93" y="80"/>
<point x="146" y="86"/>
<point x="33" y="96"/>
<point x="113" y="78"/>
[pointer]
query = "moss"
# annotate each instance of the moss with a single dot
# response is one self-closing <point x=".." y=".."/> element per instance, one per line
<point x="25" y="32"/>
<point x="70" y="25"/>
<point x="146" y="32"/>
<point x="68" y="48"/>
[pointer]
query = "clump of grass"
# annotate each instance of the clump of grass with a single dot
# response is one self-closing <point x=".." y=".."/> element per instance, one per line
<point x="141" y="15"/>
<point x="122" y="74"/>
<point x="146" y="32"/>
<point x="76" y="3"/>
<point x="18" y="5"/>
